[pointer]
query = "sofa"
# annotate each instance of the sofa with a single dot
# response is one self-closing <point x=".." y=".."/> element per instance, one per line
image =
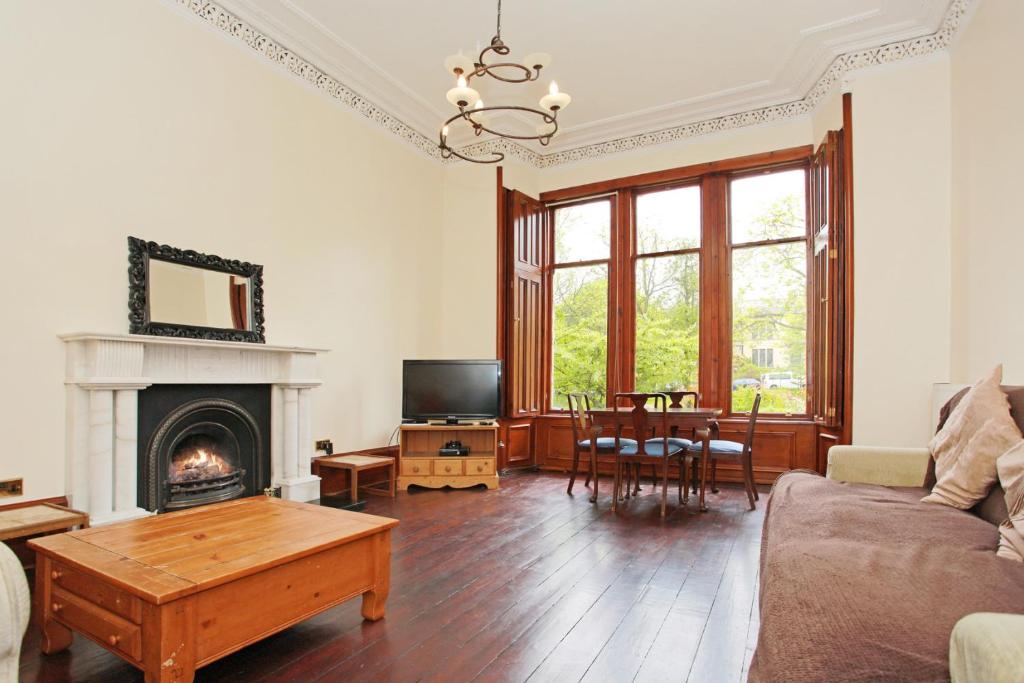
<point x="861" y="581"/>
<point x="14" y="613"/>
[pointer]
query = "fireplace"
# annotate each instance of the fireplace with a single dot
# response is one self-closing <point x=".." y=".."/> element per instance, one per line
<point x="201" y="444"/>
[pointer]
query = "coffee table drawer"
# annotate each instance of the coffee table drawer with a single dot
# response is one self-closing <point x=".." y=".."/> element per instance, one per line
<point x="447" y="467"/>
<point x="97" y="592"/>
<point x="92" y="620"/>
<point x="475" y="466"/>
<point x="416" y="467"/>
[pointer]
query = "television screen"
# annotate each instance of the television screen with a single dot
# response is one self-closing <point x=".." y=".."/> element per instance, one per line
<point x="440" y="389"/>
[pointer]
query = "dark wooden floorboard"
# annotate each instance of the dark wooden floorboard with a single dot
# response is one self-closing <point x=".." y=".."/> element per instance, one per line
<point x="523" y="583"/>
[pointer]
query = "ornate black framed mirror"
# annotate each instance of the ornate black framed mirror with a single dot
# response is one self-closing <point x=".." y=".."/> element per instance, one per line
<point x="182" y="293"/>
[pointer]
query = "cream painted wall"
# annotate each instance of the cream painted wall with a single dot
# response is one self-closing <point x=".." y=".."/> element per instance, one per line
<point x="132" y="118"/>
<point x="901" y="164"/>
<point x="469" y="275"/>
<point x="988" y="231"/>
<point x="828" y="115"/>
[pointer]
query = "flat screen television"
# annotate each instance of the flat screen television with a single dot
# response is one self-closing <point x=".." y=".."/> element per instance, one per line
<point x="451" y="389"/>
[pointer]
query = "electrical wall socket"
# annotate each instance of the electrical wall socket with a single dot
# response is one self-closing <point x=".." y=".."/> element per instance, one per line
<point x="12" y="487"/>
<point x="325" y="445"/>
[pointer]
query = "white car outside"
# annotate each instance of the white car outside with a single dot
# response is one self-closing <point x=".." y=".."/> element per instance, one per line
<point x="779" y="380"/>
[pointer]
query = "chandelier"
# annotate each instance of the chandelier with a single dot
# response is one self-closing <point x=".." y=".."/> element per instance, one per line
<point x="474" y="113"/>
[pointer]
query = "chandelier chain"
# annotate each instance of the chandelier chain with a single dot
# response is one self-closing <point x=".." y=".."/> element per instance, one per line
<point x="499" y="19"/>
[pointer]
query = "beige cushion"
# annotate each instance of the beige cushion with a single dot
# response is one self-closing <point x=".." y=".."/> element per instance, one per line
<point x="987" y="648"/>
<point x="978" y="431"/>
<point x="1011" y="475"/>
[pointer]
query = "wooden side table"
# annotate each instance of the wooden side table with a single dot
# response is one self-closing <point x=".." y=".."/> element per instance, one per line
<point x="39" y="519"/>
<point x="354" y="464"/>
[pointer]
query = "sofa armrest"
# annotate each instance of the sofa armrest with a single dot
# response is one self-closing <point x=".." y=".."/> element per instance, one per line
<point x="987" y="647"/>
<point x="874" y="465"/>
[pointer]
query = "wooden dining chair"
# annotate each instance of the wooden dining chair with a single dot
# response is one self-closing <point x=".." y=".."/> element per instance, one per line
<point x="653" y="444"/>
<point x="677" y="397"/>
<point x="742" y="453"/>
<point x="585" y="439"/>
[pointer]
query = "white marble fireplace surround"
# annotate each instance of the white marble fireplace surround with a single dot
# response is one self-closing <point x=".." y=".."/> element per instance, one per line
<point x="106" y="372"/>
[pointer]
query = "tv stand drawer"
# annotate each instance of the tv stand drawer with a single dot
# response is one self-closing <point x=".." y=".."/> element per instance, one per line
<point x="447" y="467"/>
<point x="415" y="467"/>
<point x="477" y="466"/>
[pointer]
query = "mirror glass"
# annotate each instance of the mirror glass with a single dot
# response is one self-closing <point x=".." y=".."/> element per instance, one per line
<point x="186" y="295"/>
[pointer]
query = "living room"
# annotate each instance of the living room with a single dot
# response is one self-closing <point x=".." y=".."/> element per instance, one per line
<point x="784" y="224"/>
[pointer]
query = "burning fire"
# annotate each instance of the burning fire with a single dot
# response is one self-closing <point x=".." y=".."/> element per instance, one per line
<point x="199" y="463"/>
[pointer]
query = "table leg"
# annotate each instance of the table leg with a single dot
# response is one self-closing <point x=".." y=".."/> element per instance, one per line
<point x="169" y="641"/>
<point x="394" y="484"/>
<point x="374" y="599"/>
<point x="56" y="636"/>
<point x="354" y="473"/>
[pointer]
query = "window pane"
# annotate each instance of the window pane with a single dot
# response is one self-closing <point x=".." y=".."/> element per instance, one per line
<point x="579" y="333"/>
<point x="767" y="207"/>
<point x="583" y="232"/>
<point x="667" y="322"/>
<point x="769" y="327"/>
<point x="668" y="220"/>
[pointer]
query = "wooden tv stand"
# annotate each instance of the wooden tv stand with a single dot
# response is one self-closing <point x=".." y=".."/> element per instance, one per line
<point x="420" y="464"/>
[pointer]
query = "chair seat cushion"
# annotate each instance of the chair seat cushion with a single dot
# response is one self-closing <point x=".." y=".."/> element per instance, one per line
<point x="718" y="447"/>
<point x="655" y="448"/>
<point x="606" y="443"/>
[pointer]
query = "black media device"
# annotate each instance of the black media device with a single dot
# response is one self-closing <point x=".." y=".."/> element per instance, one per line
<point x="451" y="390"/>
<point x="453" y="448"/>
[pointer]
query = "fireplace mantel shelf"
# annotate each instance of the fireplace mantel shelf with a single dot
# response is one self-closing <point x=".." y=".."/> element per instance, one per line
<point x="176" y="341"/>
<point x="105" y="373"/>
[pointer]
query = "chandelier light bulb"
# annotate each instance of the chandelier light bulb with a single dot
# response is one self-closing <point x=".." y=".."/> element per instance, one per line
<point x="444" y="132"/>
<point x="555" y="99"/>
<point x="462" y="95"/>
<point x="479" y="104"/>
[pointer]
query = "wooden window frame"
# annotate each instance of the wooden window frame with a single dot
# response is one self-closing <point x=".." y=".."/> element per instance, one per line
<point x="612" y="296"/>
<point x="714" y="253"/>
<point x="808" y="239"/>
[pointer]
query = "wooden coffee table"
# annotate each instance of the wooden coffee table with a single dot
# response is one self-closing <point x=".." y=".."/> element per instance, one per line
<point x="174" y="592"/>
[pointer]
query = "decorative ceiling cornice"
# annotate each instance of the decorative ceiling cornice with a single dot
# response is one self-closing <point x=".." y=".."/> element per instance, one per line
<point x="219" y="18"/>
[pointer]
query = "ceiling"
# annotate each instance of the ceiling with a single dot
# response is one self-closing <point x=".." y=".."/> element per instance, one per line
<point x="631" y="67"/>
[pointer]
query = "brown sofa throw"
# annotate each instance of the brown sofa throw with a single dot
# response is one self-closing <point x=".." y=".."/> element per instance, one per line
<point x="1011" y="475"/>
<point x="978" y="431"/>
<point x="864" y="583"/>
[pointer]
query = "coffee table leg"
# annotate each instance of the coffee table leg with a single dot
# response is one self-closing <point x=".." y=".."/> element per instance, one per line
<point x="56" y="636"/>
<point x="169" y="641"/>
<point x="374" y="599"/>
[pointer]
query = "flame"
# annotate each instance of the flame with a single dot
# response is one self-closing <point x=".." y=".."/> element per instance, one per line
<point x="201" y="458"/>
<point x="199" y="463"/>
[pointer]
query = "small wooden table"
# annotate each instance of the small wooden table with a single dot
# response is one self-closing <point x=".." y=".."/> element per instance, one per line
<point x="354" y="464"/>
<point x="39" y="519"/>
<point x="174" y="592"/>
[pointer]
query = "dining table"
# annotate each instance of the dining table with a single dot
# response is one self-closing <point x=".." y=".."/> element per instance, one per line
<point x="696" y="423"/>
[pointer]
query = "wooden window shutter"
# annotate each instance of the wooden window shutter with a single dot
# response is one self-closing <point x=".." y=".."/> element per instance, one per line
<point x="828" y="306"/>
<point x="528" y="247"/>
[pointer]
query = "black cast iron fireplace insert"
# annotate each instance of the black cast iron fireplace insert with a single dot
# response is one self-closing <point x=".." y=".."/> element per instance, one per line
<point x="201" y="444"/>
